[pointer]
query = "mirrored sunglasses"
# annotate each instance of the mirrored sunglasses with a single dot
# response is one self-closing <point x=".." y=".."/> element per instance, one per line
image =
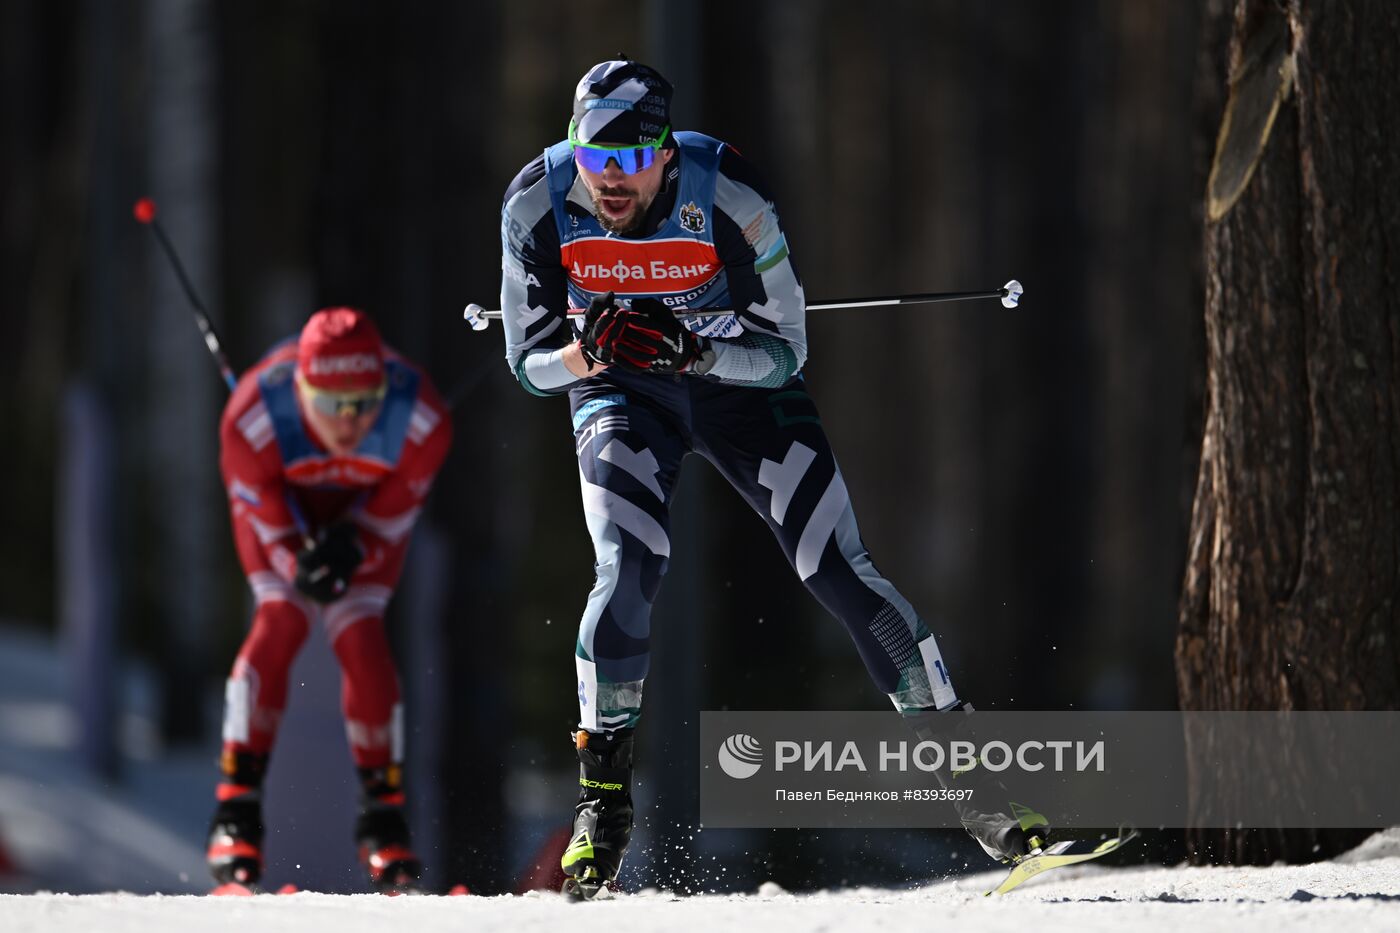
<point x="631" y="159"/>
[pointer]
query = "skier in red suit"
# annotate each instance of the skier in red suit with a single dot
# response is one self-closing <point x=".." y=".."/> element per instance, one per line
<point x="329" y="445"/>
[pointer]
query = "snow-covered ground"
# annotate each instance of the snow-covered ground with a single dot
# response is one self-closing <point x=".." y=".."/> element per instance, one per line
<point x="67" y="829"/>
<point x="1355" y="895"/>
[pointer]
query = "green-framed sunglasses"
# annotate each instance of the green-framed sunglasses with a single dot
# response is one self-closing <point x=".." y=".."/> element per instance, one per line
<point x="631" y="159"/>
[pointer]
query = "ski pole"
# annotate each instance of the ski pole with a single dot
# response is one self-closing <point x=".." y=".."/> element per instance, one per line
<point x="1010" y="295"/>
<point x="145" y="212"/>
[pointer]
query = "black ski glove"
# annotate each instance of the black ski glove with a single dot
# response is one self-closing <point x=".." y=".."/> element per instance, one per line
<point x="601" y="328"/>
<point x="324" y="568"/>
<point x="654" y="340"/>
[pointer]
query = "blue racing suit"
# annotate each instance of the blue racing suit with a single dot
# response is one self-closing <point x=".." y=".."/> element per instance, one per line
<point x="711" y="238"/>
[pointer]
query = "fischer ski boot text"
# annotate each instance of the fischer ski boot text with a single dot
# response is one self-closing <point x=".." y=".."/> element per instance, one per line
<point x="603" y="817"/>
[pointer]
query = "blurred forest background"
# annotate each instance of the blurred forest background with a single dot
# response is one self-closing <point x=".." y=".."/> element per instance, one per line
<point x="1024" y="476"/>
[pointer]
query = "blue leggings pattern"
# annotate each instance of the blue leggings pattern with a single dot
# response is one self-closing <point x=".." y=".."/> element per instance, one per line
<point x="631" y="431"/>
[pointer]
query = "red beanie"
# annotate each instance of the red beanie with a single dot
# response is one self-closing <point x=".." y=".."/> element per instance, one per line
<point x="340" y="351"/>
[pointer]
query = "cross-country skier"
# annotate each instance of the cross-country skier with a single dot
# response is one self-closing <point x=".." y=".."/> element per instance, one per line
<point x="329" y="447"/>
<point x="630" y="220"/>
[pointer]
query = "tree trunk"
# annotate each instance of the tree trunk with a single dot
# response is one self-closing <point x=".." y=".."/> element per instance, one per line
<point x="1288" y="601"/>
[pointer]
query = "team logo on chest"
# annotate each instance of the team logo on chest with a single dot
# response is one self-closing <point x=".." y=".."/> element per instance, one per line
<point x="692" y="217"/>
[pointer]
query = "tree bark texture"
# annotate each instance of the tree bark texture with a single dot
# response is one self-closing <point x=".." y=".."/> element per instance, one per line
<point x="1289" y="597"/>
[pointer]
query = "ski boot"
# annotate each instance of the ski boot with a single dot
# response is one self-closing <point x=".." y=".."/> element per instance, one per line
<point x="1006" y="838"/>
<point x="603" y="815"/>
<point x="381" y="833"/>
<point x="234" y="850"/>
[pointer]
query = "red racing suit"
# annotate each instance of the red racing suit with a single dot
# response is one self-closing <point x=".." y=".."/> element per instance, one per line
<point x="283" y="486"/>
